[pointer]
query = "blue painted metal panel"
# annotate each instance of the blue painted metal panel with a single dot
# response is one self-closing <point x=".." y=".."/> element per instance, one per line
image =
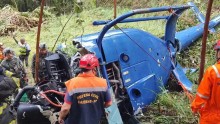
<point x="145" y="47"/>
<point x="180" y="75"/>
<point x="143" y="92"/>
<point x="135" y="72"/>
<point x="186" y="37"/>
<point x="109" y="45"/>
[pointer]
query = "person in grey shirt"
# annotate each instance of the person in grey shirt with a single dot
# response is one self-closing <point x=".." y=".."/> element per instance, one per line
<point x="24" y="50"/>
<point x="14" y="65"/>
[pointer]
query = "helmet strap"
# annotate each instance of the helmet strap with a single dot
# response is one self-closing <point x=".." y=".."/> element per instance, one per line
<point x="94" y="71"/>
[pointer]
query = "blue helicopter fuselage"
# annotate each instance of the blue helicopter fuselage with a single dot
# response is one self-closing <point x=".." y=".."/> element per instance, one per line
<point x="144" y="61"/>
<point x="137" y="64"/>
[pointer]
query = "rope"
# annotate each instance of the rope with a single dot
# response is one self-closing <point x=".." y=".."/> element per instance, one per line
<point x="51" y="102"/>
<point x="62" y="30"/>
<point x="54" y="91"/>
<point x="188" y="94"/>
<point x="143" y="49"/>
<point x="172" y="12"/>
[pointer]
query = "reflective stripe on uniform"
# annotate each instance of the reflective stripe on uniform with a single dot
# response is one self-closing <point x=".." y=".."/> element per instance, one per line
<point x="2" y="107"/>
<point x="216" y="71"/>
<point x="22" y="51"/>
<point x="89" y="89"/>
<point x="202" y="96"/>
<point x="17" y="81"/>
<point x="13" y="122"/>
<point x="5" y="116"/>
<point x="8" y="73"/>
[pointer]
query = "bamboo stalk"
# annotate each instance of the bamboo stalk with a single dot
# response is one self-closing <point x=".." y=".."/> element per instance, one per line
<point x="204" y="39"/>
<point x="38" y="41"/>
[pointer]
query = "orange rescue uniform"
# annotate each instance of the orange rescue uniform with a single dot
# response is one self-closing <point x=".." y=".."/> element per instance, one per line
<point x="1" y="55"/>
<point x="88" y="95"/>
<point x="207" y="100"/>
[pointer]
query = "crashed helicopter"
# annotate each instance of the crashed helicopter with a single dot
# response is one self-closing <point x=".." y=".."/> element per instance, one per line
<point x="130" y="61"/>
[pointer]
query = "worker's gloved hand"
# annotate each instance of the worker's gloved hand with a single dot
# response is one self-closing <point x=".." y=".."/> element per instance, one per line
<point x="9" y="73"/>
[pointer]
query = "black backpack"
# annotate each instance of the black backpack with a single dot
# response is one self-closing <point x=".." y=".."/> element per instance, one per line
<point x="7" y="87"/>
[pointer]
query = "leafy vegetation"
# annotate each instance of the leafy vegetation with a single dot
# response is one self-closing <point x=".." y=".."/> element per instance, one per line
<point x="171" y="107"/>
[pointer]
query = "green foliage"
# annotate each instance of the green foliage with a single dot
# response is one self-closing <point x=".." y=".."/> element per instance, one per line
<point x="2" y="25"/>
<point x="79" y="21"/>
<point x="48" y="12"/>
<point x="90" y="4"/>
<point x="187" y="19"/>
<point x="77" y="8"/>
<point x="170" y="108"/>
<point x="5" y="2"/>
<point x="62" y="7"/>
<point x="70" y="50"/>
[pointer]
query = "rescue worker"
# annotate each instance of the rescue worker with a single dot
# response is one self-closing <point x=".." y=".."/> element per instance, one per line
<point x="24" y="50"/>
<point x="86" y="95"/>
<point x="1" y="52"/>
<point x="8" y="86"/>
<point x="42" y="72"/>
<point x="207" y="101"/>
<point x="13" y="65"/>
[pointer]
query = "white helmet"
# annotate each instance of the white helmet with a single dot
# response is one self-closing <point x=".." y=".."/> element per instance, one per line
<point x="7" y="51"/>
<point x="43" y="46"/>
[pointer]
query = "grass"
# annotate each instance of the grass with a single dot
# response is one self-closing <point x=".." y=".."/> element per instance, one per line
<point x="171" y="107"/>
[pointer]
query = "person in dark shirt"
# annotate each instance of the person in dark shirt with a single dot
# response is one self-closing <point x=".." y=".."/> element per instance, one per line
<point x="42" y="72"/>
<point x="8" y="89"/>
<point x="86" y="96"/>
